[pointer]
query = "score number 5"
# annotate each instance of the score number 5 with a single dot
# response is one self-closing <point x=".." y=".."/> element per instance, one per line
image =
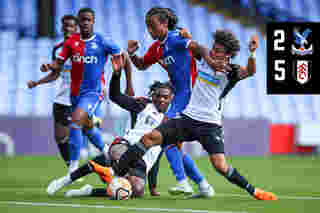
<point x="280" y="75"/>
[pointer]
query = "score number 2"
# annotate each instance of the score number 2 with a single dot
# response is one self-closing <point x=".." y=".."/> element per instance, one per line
<point x="279" y="40"/>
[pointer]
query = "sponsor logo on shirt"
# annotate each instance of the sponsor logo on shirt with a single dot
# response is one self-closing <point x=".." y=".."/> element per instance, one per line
<point x="85" y="59"/>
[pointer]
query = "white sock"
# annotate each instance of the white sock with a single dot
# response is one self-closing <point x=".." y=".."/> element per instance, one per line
<point x="74" y="165"/>
<point x="106" y="151"/>
<point x="204" y="184"/>
<point x="67" y="180"/>
<point x="183" y="182"/>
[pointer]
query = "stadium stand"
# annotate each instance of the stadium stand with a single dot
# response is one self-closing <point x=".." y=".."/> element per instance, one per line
<point x="21" y="54"/>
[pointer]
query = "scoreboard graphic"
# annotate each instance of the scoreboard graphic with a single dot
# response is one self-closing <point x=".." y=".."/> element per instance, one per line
<point x="293" y="58"/>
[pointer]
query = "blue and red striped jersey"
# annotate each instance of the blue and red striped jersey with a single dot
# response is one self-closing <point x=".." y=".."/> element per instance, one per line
<point x="88" y="57"/>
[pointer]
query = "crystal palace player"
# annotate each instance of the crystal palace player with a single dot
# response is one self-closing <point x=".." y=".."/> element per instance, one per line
<point x="171" y="51"/>
<point x="150" y="114"/>
<point x="88" y="52"/>
<point x="201" y="120"/>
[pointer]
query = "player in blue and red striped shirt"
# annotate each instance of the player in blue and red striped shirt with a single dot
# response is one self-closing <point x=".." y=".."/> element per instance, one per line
<point x="88" y="52"/>
<point x="171" y="51"/>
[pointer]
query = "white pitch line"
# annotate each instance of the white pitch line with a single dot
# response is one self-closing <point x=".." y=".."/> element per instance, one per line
<point x="111" y="207"/>
<point x="217" y="194"/>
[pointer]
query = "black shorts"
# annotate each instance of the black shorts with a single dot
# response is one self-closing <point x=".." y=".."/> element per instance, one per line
<point x="187" y="129"/>
<point x="139" y="169"/>
<point x="62" y="114"/>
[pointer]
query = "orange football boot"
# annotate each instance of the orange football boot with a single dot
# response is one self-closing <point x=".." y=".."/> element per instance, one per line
<point x="259" y="194"/>
<point x="105" y="173"/>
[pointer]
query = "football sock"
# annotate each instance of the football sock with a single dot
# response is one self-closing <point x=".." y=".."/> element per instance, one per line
<point x="74" y="165"/>
<point x="234" y="177"/>
<point x="153" y="173"/>
<point x="99" y="193"/>
<point x="131" y="156"/>
<point x="75" y="142"/>
<point x="95" y="137"/>
<point x="174" y="156"/>
<point x="191" y="169"/>
<point x="80" y="172"/>
<point x="64" y="152"/>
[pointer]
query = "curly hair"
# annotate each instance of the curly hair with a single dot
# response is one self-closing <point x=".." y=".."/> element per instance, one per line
<point x="164" y="14"/>
<point x="69" y="17"/>
<point x="228" y="40"/>
<point x="157" y="85"/>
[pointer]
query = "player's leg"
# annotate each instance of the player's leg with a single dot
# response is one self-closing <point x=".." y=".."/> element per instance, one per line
<point x="153" y="177"/>
<point x="175" y="159"/>
<point x="91" y="104"/>
<point x="76" y="136"/>
<point x="192" y="171"/>
<point x="168" y="132"/>
<point x="211" y="138"/>
<point x="175" y="156"/>
<point x="84" y="170"/>
<point x="62" y="117"/>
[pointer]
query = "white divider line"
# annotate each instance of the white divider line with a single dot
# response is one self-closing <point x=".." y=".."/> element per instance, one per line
<point x="287" y="197"/>
<point x="110" y="207"/>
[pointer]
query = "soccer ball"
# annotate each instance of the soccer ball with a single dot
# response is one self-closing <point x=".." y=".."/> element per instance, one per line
<point x="119" y="188"/>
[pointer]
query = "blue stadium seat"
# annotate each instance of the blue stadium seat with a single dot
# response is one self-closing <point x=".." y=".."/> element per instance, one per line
<point x="123" y="20"/>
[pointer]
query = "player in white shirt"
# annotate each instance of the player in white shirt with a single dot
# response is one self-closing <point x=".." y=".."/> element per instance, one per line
<point x="150" y="114"/>
<point x="62" y="103"/>
<point x="201" y="120"/>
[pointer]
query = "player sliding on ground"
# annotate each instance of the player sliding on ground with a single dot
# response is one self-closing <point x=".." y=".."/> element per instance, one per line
<point x="150" y="113"/>
<point x="201" y="120"/>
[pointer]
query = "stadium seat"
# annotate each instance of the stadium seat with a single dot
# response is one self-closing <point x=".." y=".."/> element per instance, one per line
<point x="124" y="20"/>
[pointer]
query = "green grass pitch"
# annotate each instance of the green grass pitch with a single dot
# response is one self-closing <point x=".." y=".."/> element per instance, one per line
<point x="295" y="179"/>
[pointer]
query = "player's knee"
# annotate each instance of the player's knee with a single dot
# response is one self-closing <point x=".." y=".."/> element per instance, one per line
<point x="219" y="163"/>
<point x="151" y="139"/>
<point x="137" y="184"/>
<point x="80" y="117"/>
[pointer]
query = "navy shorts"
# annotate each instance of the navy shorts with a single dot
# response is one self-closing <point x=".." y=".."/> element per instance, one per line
<point x="186" y="129"/>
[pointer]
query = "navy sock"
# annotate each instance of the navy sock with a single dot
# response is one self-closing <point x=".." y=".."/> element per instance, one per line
<point x="64" y="152"/>
<point x="80" y="172"/>
<point x="234" y="177"/>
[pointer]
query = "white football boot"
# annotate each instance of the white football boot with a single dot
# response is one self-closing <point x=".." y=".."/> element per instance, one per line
<point x="86" y="190"/>
<point x="58" y="184"/>
<point x="204" y="192"/>
<point x="181" y="188"/>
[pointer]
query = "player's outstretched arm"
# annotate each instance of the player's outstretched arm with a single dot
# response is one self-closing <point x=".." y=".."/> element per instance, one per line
<point x="124" y="101"/>
<point x="128" y="71"/>
<point x="52" y="76"/>
<point x="140" y="62"/>
<point x="203" y="51"/>
<point x="56" y="65"/>
<point x="250" y="69"/>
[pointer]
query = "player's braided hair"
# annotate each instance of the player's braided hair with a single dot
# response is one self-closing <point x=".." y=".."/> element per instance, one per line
<point x="157" y="85"/>
<point x="228" y="40"/>
<point x="69" y="17"/>
<point x="165" y="14"/>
